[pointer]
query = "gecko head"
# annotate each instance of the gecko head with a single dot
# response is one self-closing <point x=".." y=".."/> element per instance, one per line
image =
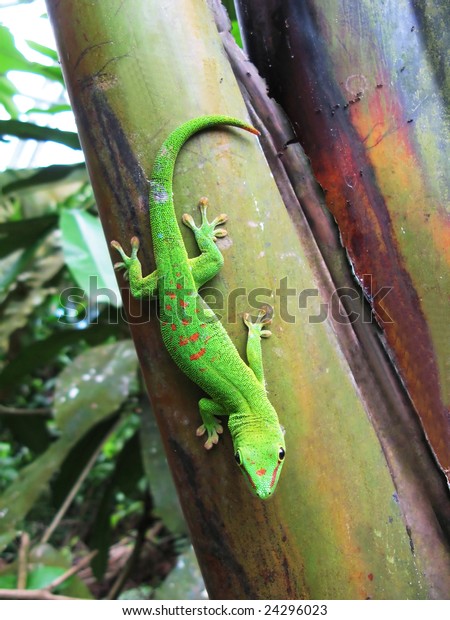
<point x="261" y="464"/>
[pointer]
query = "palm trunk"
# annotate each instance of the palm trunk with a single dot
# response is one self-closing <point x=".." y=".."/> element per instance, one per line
<point x="337" y="527"/>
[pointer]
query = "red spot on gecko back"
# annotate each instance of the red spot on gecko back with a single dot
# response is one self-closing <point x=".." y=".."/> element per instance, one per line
<point x="194" y="337"/>
<point x="173" y="327"/>
<point x="183" y="341"/>
<point x="261" y="472"/>
<point x="183" y="304"/>
<point x="178" y="274"/>
<point x="196" y="356"/>
<point x="370" y="576"/>
<point x="171" y="295"/>
<point x="179" y="286"/>
<point x="185" y="321"/>
<point x="168" y="307"/>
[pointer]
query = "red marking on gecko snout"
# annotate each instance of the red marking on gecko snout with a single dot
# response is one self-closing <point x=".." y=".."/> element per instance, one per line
<point x="196" y="356"/>
<point x="261" y="472"/>
<point x="274" y="475"/>
<point x="178" y="274"/>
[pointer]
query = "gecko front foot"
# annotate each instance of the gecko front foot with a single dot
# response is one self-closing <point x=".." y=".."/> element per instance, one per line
<point x="263" y="319"/>
<point x="214" y="430"/>
<point x="206" y="228"/>
<point x="211" y="425"/>
<point x="127" y="261"/>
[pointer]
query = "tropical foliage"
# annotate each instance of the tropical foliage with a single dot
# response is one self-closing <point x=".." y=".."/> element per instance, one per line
<point x="67" y="425"/>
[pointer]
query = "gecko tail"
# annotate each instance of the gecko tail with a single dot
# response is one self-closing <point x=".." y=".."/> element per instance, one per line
<point x="162" y="215"/>
<point x="252" y="129"/>
<point x="166" y="156"/>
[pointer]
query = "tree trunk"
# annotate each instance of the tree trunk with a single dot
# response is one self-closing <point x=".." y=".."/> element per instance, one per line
<point x="337" y="526"/>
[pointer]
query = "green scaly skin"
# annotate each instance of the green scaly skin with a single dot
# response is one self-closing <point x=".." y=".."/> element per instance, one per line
<point x="194" y="336"/>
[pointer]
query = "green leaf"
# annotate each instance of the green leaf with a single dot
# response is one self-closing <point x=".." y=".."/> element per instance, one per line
<point x="42" y="576"/>
<point x="185" y="582"/>
<point x="129" y="466"/>
<point x="10" y="57"/>
<point x="52" y="109"/>
<point x="45" y="260"/>
<point x="88" y="391"/>
<point x="17" y="310"/>
<point x="45" y="176"/>
<point x="23" y="233"/>
<point x="7" y="92"/>
<point x="8" y="581"/>
<point x="45" y="51"/>
<point x="162" y="487"/>
<point x="87" y="255"/>
<point x="28" y="430"/>
<point x="127" y="473"/>
<point x="101" y="533"/>
<point x="12" y="60"/>
<point x="94" y="385"/>
<point x="46" y="564"/>
<point x="236" y="33"/>
<point x="41" y="352"/>
<point x="77" y="459"/>
<point x="7" y="87"/>
<point x="12" y="266"/>
<point x="143" y="592"/>
<point x="30" y="131"/>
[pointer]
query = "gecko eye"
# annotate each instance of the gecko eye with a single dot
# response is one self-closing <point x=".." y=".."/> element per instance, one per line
<point x="281" y="454"/>
<point x="237" y="457"/>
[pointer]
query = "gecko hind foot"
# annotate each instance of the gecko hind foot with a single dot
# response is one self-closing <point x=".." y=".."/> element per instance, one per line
<point x="263" y="319"/>
<point x="126" y="260"/>
<point x="206" y="228"/>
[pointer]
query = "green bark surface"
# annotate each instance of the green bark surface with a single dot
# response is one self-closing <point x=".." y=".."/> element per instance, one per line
<point x="366" y="87"/>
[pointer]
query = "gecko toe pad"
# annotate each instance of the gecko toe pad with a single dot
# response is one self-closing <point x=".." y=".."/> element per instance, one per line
<point x="213" y="430"/>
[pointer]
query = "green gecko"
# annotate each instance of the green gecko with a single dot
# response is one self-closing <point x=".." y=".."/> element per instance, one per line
<point x="193" y="335"/>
